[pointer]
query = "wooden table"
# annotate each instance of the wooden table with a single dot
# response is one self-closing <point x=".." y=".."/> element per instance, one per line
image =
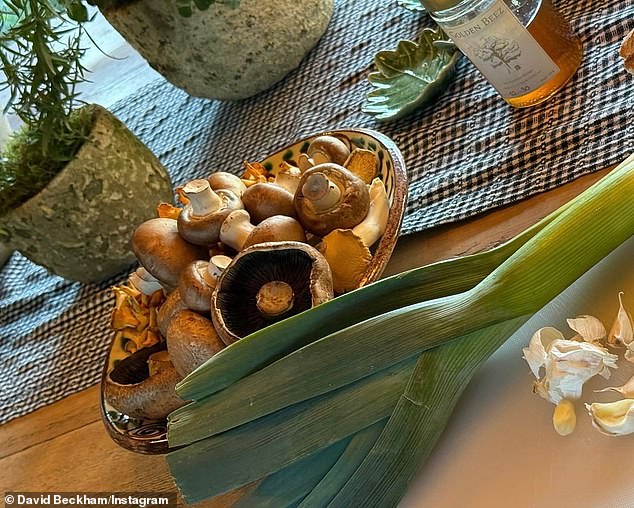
<point x="64" y="447"/>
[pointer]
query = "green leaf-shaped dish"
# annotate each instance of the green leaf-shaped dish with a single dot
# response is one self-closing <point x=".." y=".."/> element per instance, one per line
<point x="412" y="5"/>
<point x="411" y="76"/>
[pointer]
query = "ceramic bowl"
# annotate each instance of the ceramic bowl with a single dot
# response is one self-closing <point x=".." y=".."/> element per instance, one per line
<point x="149" y="436"/>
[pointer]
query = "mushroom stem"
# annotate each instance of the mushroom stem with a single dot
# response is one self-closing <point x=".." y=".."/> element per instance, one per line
<point x="274" y="299"/>
<point x="373" y="226"/>
<point x="202" y="199"/>
<point x="322" y="192"/>
<point x="235" y="229"/>
<point x="216" y="266"/>
<point x="144" y="281"/>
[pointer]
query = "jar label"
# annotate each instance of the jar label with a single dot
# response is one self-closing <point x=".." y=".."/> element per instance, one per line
<point x="504" y="51"/>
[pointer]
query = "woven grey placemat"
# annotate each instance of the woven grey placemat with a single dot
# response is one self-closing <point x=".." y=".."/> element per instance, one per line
<point x="467" y="153"/>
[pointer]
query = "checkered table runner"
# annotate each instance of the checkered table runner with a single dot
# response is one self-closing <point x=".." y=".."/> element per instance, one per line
<point x="467" y="153"/>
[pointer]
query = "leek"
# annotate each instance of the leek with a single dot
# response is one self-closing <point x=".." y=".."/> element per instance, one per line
<point x="267" y="445"/>
<point x="421" y="414"/>
<point x="544" y="266"/>
<point x="432" y="281"/>
<point x="338" y="385"/>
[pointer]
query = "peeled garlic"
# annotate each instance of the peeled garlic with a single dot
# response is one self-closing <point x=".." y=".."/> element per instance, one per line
<point x="564" y="418"/>
<point x="567" y="364"/>
<point x="613" y="418"/>
<point x="589" y="328"/>
<point x="621" y="332"/>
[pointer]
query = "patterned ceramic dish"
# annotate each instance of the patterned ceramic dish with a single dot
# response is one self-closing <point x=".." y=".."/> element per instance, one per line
<point x="149" y="436"/>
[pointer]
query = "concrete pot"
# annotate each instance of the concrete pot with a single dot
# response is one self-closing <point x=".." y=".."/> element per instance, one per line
<point x="80" y="225"/>
<point x="222" y="52"/>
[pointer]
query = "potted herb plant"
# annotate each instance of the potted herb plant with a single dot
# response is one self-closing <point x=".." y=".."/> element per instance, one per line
<point x="74" y="182"/>
<point x="220" y="49"/>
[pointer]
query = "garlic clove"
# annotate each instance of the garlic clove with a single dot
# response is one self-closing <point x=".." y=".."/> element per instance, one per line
<point x="589" y="328"/>
<point x="622" y="332"/>
<point x="565" y="418"/>
<point x="535" y="354"/>
<point x="613" y="418"/>
<point x="627" y="389"/>
<point x="569" y="364"/>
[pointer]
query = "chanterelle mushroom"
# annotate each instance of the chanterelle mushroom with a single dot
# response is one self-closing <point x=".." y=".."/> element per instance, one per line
<point x="266" y="283"/>
<point x="199" y="222"/>
<point x="348" y="250"/>
<point x="162" y="251"/>
<point x="330" y="197"/>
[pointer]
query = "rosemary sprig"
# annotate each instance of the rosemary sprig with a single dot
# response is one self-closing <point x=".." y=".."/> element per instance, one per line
<point x="40" y="55"/>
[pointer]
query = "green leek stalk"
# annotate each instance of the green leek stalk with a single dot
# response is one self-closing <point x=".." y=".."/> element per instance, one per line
<point x="308" y="381"/>
<point x="544" y="266"/>
<point x="240" y="456"/>
<point x="421" y="414"/>
<point x="264" y="346"/>
<point x="290" y="485"/>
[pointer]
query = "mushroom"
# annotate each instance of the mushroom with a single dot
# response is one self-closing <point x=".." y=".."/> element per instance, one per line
<point x="238" y="232"/>
<point x="363" y="163"/>
<point x="172" y="305"/>
<point x="288" y="177"/>
<point x="266" y="283"/>
<point x="191" y="341"/>
<point x="348" y="250"/>
<point x="198" y="280"/>
<point x="263" y="200"/>
<point x="144" y="281"/>
<point x="328" y="149"/>
<point x="223" y="180"/>
<point x="199" y="222"/>
<point x="330" y="197"/>
<point x="162" y="251"/>
<point x="140" y="392"/>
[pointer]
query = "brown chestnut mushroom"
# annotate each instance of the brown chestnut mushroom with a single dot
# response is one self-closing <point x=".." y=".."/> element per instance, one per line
<point x="172" y="304"/>
<point x="238" y="232"/>
<point x="198" y="280"/>
<point x="266" y="283"/>
<point x="223" y="180"/>
<point x="324" y="149"/>
<point x="191" y="341"/>
<point x="162" y="251"/>
<point x="135" y="390"/>
<point x="200" y="220"/>
<point x="263" y="200"/>
<point x="330" y="197"/>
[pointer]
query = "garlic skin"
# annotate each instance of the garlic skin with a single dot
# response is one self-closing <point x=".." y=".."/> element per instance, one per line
<point x="613" y="418"/>
<point x="627" y="389"/>
<point x="589" y="328"/>
<point x="622" y="333"/>
<point x="535" y="354"/>
<point x="567" y="364"/>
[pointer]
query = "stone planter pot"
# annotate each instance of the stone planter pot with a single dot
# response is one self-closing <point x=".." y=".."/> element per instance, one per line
<point x="223" y="53"/>
<point x="80" y="225"/>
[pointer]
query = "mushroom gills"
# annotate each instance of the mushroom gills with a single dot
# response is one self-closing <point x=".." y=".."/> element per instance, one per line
<point x="238" y="295"/>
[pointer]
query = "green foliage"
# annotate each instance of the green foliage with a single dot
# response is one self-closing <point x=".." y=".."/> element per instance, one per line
<point x="40" y="56"/>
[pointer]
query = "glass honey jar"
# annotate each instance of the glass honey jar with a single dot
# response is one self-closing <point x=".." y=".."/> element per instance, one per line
<point x="524" y="48"/>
